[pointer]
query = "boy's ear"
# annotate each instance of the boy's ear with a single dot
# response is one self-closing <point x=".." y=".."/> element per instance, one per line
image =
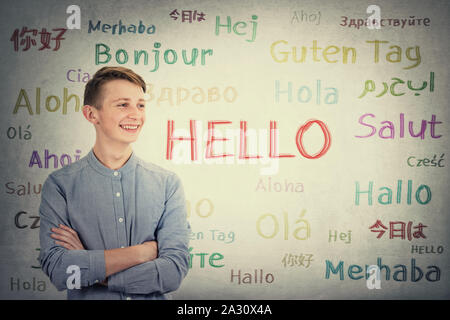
<point x="90" y="113"/>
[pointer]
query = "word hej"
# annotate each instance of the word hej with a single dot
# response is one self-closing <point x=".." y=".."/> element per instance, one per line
<point x="188" y="15"/>
<point x="243" y="152"/>
<point x="400" y="274"/>
<point x="397" y="229"/>
<point x="214" y="235"/>
<point x="49" y="159"/>
<point x="282" y="54"/>
<point x="304" y="94"/>
<point x="27" y="38"/>
<point x="256" y="277"/>
<point x="238" y="27"/>
<point x="387" y="129"/>
<point x="369" y="86"/>
<point x="344" y="237"/>
<point x="52" y="102"/>
<point x="103" y="56"/>
<point x="385" y="198"/>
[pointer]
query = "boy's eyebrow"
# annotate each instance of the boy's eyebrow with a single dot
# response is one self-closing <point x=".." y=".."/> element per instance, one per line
<point x="126" y="99"/>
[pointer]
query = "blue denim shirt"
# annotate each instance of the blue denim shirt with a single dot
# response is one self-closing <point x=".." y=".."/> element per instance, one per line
<point x="112" y="209"/>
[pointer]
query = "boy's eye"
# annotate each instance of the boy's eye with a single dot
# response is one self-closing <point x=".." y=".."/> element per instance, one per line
<point x="141" y="106"/>
<point x="122" y="105"/>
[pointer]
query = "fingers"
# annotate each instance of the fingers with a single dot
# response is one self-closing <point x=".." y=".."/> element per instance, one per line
<point x="68" y="238"/>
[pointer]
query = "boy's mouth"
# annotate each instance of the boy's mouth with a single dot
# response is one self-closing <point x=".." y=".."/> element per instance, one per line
<point x="130" y="127"/>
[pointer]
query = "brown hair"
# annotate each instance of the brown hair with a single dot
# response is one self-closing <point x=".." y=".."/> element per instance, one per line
<point x="92" y="91"/>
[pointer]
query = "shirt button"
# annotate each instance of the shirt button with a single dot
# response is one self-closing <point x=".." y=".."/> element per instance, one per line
<point x="120" y="219"/>
<point x="118" y="194"/>
<point x="128" y="298"/>
<point x="96" y="281"/>
<point x="116" y="173"/>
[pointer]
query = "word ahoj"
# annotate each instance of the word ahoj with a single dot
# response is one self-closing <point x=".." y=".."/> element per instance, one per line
<point x="400" y="274"/>
<point x="387" y="130"/>
<point x="282" y="54"/>
<point x="385" y="198"/>
<point x="64" y="159"/>
<point x="273" y="149"/>
<point x="213" y="260"/>
<point x="238" y="27"/>
<point x="369" y="86"/>
<point x="120" y="28"/>
<point x="303" y="16"/>
<point x="258" y="276"/>
<point x="103" y="56"/>
<point x="397" y="229"/>
<point x="305" y="94"/>
<point x="52" y="102"/>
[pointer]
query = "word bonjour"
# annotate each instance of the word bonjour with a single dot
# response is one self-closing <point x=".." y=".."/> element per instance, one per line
<point x="258" y="277"/>
<point x="64" y="159"/>
<point x="281" y="54"/>
<point x="103" y="56"/>
<point x="273" y="149"/>
<point x="401" y="273"/>
<point x="385" y="198"/>
<point x="387" y="131"/>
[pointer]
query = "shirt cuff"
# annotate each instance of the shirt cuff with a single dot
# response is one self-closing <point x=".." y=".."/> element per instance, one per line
<point x="97" y="266"/>
<point x="116" y="282"/>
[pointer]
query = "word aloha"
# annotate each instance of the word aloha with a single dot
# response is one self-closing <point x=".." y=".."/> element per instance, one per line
<point x="369" y="86"/>
<point x="301" y="260"/>
<point x="397" y="230"/>
<point x="188" y="15"/>
<point x="26" y="38"/>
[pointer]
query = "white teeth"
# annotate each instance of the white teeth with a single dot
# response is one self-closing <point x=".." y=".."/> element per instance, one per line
<point x="130" y="127"/>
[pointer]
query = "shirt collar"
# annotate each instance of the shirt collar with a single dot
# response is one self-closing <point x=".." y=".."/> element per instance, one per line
<point x="98" y="166"/>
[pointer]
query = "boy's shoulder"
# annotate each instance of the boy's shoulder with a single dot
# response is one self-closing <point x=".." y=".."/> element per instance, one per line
<point x="152" y="168"/>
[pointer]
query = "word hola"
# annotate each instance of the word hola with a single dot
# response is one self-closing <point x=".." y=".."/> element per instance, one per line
<point x="17" y="284"/>
<point x="305" y="94"/>
<point x="385" y="198"/>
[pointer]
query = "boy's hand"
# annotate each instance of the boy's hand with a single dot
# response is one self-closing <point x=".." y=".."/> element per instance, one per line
<point x="67" y="237"/>
<point x="150" y="250"/>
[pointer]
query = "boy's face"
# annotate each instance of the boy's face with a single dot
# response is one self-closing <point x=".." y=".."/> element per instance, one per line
<point x="122" y="115"/>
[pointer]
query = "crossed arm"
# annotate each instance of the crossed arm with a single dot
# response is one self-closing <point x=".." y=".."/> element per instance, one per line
<point x="116" y="260"/>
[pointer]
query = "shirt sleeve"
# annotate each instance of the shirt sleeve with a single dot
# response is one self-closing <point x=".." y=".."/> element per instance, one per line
<point x="56" y="259"/>
<point x="165" y="273"/>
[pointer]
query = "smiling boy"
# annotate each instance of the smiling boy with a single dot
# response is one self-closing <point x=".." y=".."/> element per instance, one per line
<point x="120" y="220"/>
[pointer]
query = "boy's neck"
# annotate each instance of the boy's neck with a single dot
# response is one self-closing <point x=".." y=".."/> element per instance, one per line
<point x="113" y="158"/>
